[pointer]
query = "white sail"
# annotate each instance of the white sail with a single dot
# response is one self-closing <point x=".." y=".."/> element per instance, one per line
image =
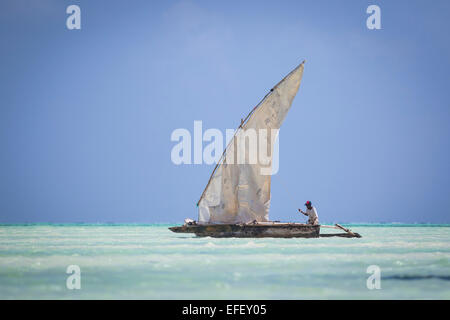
<point x="240" y="192"/>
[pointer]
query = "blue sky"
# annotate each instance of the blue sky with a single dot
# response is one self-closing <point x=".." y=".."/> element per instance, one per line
<point x="86" y="115"/>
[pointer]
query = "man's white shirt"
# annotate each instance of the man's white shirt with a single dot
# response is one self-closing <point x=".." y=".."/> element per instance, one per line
<point x="312" y="214"/>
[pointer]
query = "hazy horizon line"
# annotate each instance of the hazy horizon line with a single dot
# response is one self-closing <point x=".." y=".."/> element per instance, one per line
<point x="396" y="223"/>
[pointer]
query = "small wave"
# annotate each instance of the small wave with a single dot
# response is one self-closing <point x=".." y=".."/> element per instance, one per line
<point x="210" y="245"/>
<point x="417" y="277"/>
<point x="252" y="244"/>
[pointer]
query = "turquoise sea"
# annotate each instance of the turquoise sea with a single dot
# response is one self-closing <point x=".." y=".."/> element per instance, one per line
<point x="150" y="262"/>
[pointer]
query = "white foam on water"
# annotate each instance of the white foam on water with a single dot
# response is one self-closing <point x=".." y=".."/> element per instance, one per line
<point x="150" y="262"/>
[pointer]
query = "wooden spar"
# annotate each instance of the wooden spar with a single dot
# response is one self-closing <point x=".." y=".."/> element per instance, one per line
<point x="243" y="122"/>
<point x="348" y="231"/>
<point x="331" y="227"/>
<point x="348" y="234"/>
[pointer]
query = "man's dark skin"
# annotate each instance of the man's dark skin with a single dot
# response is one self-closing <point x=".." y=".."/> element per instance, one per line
<point x="309" y="206"/>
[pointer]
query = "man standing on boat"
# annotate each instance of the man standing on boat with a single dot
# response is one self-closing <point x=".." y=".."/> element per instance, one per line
<point x="311" y="212"/>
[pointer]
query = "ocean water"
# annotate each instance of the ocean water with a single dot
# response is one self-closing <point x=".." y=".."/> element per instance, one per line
<point x="150" y="262"/>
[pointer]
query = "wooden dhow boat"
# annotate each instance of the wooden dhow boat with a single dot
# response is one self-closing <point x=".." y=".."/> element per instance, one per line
<point x="251" y="230"/>
<point x="236" y="199"/>
<point x="271" y="229"/>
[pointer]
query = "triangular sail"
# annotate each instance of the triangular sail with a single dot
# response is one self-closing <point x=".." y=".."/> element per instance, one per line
<point x="239" y="192"/>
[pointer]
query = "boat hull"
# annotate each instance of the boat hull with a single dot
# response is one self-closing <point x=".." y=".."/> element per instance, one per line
<point x="281" y="230"/>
